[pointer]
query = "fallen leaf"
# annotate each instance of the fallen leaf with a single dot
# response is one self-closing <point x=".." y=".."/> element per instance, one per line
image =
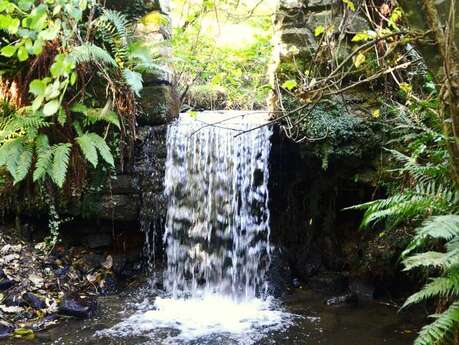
<point x="91" y="277"/>
<point x="5" y="249"/>
<point x="108" y="263"/>
<point x="36" y="280"/>
<point x="8" y="258"/>
<point x="11" y="310"/>
<point x="359" y="60"/>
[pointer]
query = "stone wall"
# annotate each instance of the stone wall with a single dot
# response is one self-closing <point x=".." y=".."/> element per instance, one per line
<point x="123" y="196"/>
<point x="333" y="167"/>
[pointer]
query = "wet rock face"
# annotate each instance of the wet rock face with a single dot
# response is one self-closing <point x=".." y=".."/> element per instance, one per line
<point x="307" y="202"/>
<point x="280" y="278"/>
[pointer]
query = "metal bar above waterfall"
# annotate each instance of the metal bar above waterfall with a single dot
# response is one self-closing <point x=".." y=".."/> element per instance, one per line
<point x="217" y="226"/>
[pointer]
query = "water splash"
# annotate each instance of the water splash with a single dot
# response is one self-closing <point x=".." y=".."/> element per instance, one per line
<point x="216" y="235"/>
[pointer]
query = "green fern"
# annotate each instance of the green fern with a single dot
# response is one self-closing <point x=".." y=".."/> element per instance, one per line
<point x="445" y="228"/>
<point x="134" y="80"/>
<point x="91" y="144"/>
<point x="90" y="53"/>
<point x="442" y="330"/>
<point x="61" y="158"/>
<point x="44" y="158"/>
<point x="88" y="149"/>
<point x="23" y="164"/>
<point x="113" y="27"/>
<point x="447" y="286"/>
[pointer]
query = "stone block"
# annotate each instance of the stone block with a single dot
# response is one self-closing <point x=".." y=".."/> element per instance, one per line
<point x="323" y="18"/>
<point x="320" y="4"/>
<point x="159" y="105"/>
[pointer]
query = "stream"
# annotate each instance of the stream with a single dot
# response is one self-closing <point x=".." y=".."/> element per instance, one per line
<point x="311" y="322"/>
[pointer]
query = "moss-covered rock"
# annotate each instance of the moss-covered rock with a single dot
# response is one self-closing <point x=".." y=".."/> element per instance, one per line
<point x="159" y="105"/>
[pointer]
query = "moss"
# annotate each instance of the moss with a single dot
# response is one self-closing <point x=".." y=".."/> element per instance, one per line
<point x="335" y="132"/>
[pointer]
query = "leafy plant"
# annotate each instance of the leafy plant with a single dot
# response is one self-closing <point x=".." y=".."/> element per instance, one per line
<point x="62" y="51"/>
<point x="446" y="286"/>
<point x="422" y="196"/>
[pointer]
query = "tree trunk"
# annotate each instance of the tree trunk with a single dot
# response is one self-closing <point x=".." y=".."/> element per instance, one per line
<point x="449" y="95"/>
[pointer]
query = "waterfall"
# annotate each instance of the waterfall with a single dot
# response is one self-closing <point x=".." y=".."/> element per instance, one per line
<point x="217" y="226"/>
<point x="216" y="237"/>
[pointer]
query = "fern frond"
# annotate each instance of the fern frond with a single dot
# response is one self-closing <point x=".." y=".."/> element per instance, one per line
<point x="116" y="23"/>
<point x="447" y="286"/>
<point x="23" y="164"/>
<point x="113" y="27"/>
<point x="441" y="331"/>
<point x="103" y="148"/>
<point x="430" y="259"/>
<point x="134" y="80"/>
<point x="44" y="157"/>
<point x="442" y="227"/>
<point x="90" y="53"/>
<point x="88" y="149"/>
<point x="61" y="158"/>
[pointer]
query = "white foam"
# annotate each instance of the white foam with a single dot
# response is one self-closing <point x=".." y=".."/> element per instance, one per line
<point x="195" y="318"/>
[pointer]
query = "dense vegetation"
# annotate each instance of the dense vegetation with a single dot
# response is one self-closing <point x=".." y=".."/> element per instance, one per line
<point x="221" y="53"/>
<point x="70" y="73"/>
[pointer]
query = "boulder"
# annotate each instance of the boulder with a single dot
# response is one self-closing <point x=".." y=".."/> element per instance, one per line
<point x="34" y="301"/>
<point x="77" y="307"/>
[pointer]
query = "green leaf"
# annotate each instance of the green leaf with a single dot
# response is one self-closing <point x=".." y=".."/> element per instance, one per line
<point x="62" y="117"/>
<point x="88" y="149"/>
<point x="23" y="164"/>
<point x="50" y="33"/>
<point x="289" y="84"/>
<point x="53" y="90"/>
<point x="103" y="148"/>
<point x="44" y="157"/>
<point x="23" y="54"/>
<point x="37" y="87"/>
<point x="9" y="51"/>
<point x="73" y="78"/>
<point x="361" y="36"/>
<point x="349" y="4"/>
<point x="63" y="66"/>
<point x="359" y="60"/>
<point x="37" y="48"/>
<point x="51" y="107"/>
<point x="319" y="30"/>
<point x="406" y="88"/>
<point x="37" y="102"/>
<point x="9" y="24"/>
<point x="79" y="108"/>
<point x="61" y="158"/>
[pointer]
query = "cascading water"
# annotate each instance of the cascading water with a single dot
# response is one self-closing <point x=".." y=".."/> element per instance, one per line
<point x="217" y="228"/>
<point x="216" y="234"/>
